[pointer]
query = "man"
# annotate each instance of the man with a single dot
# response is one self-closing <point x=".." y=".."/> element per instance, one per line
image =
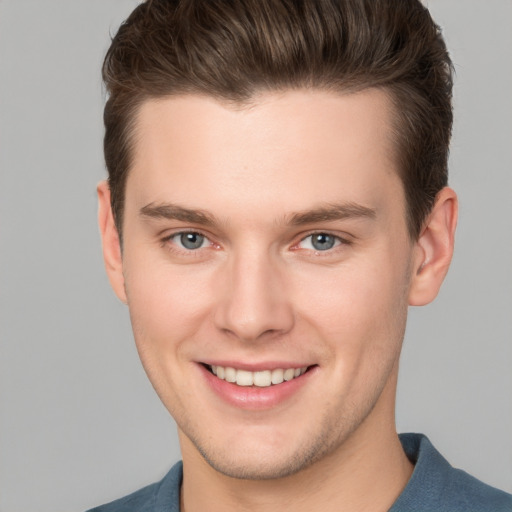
<point x="277" y="198"/>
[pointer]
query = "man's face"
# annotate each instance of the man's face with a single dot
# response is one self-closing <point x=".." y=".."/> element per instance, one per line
<point x="262" y="243"/>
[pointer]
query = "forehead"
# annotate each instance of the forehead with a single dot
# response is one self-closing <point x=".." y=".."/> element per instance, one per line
<point x="283" y="150"/>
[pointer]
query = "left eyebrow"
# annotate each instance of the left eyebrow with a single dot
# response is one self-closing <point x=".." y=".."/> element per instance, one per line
<point x="174" y="212"/>
<point x="332" y="212"/>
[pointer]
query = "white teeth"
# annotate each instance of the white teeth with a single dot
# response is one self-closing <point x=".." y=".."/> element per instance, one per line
<point x="289" y="373"/>
<point x="277" y="376"/>
<point x="230" y="374"/>
<point x="244" y="378"/>
<point x="262" y="379"/>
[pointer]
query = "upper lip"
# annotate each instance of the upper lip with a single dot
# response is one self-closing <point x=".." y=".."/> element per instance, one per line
<point x="255" y="367"/>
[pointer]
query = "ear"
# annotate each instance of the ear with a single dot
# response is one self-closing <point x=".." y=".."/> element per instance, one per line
<point x="434" y="249"/>
<point x="110" y="241"/>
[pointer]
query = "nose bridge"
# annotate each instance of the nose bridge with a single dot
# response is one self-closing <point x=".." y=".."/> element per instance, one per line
<point x="254" y="301"/>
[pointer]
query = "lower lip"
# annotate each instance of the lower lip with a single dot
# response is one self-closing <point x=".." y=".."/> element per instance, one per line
<point x="253" y="397"/>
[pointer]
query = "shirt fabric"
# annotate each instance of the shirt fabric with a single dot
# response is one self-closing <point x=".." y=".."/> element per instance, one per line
<point x="435" y="486"/>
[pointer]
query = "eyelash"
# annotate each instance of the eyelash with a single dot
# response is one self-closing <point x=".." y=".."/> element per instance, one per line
<point x="167" y="242"/>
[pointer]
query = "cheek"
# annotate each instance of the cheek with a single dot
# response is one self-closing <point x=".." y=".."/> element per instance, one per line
<point x="360" y="320"/>
<point x="167" y="303"/>
<point x="167" y="309"/>
<point x="358" y="308"/>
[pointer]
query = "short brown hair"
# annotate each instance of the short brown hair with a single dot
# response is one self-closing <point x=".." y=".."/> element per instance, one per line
<point x="233" y="49"/>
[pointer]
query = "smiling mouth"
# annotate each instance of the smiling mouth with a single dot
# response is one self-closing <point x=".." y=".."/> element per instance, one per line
<point x="262" y="379"/>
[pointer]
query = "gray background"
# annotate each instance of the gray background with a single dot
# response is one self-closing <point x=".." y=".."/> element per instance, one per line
<point x="79" y="423"/>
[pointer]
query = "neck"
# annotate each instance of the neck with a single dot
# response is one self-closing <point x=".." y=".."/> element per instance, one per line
<point x="367" y="472"/>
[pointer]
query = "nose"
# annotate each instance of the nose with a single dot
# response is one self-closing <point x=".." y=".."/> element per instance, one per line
<point x="252" y="301"/>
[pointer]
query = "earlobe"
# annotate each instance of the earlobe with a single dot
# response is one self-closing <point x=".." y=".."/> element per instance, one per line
<point x="112" y="255"/>
<point x="434" y="249"/>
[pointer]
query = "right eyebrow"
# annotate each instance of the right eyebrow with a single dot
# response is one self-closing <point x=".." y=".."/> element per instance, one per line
<point x="171" y="211"/>
<point x="332" y="212"/>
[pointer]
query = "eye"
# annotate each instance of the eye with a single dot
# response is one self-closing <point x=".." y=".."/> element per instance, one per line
<point x="190" y="240"/>
<point x="320" y="242"/>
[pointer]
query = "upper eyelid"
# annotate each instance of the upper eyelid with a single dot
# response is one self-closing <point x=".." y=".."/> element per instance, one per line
<point x="168" y="235"/>
<point x="345" y="238"/>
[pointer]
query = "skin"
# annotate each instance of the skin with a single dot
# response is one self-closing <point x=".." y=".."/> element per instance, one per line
<point x="257" y="290"/>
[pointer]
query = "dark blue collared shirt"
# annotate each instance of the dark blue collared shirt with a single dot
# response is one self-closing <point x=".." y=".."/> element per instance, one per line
<point x="435" y="486"/>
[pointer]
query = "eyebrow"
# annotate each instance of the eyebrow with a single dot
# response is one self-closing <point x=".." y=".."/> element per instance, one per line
<point x="174" y="212"/>
<point x="332" y="212"/>
<point x="327" y="213"/>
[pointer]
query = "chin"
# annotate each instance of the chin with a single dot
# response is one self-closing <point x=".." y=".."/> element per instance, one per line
<point x="260" y="467"/>
<point x="264" y="455"/>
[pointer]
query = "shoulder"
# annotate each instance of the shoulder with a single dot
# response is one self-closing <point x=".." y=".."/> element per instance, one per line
<point x="140" y="500"/>
<point x="436" y="486"/>
<point x="464" y="492"/>
<point x="163" y="496"/>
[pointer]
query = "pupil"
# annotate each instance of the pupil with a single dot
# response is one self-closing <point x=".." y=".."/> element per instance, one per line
<point x="191" y="240"/>
<point x="323" y="242"/>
